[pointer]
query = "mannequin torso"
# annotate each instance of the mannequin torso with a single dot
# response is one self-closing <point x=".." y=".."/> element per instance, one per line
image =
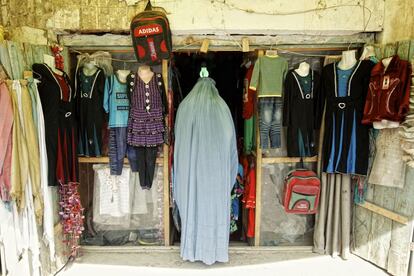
<point x="50" y="61"/>
<point x="386" y="62"/>
<point x="122" y="75"/>
<point x="89" y="68"/>
<point x="145" y="73"/>
<point x="303" y="69"/>
<point x="348" y="60"/>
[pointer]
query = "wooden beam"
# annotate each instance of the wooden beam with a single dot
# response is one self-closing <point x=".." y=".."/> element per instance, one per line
<point x="166" y="188"/>
<point x="276" y="160"/>
<point x="258" y="209"/>
<point x="384" y="212"/>
<point x="190" y="41"/>
<point x="105" y="160"/>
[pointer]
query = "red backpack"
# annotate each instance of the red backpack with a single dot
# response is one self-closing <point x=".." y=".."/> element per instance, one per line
<point x="302" y="190"/>
<point x="151" y="36"/>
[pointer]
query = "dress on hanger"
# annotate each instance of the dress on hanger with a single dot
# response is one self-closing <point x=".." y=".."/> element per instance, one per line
<point x="298" y="113"/>
<point x="91" y="115"/>
<point x="346" y="141"/>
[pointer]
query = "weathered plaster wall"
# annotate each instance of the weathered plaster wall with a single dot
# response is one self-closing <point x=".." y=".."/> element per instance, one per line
<point x="201" y="16"/>
<point x="398" y="21"/>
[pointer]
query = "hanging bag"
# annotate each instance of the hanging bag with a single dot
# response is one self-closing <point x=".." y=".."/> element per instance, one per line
<point x="301" y="191"/>
<point x="151" y="36"/>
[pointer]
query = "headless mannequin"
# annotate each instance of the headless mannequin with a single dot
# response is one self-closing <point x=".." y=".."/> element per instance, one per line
<point x="348" y="60"/>
<point x="368" y="52"/>
<point x="122" y="75"/>
<point x="303" y="69"/>
<point x="386" y="62"/>
<point x="50" y="61"/>
<point x="145" y="73"/>
<point x="89" y="68"/>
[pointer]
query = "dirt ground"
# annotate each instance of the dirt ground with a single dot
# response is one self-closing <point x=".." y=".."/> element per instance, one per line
<point x="251" y="263"/>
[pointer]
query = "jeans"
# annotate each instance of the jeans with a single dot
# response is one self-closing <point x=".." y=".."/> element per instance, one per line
<point x="270" y="121"/>
<point x="117" y="149"/>
<point x="143" y="160"/>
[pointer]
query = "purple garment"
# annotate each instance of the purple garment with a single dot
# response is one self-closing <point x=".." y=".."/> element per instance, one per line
<point x="145" y="122"/>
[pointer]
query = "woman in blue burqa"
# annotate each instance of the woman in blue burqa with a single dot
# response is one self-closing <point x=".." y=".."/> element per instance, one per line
<point x="205" y="169"/>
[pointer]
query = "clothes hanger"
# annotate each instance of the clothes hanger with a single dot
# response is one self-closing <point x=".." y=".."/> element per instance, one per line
<point x="204" y="72"/>
<point x="271" y="52"/>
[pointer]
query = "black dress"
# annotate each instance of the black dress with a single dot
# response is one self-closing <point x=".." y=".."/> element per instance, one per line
<point x="298" y="113"/>
<point x="60" y="124"/>
<point x="344" y="135"/>
<point x="91" y="115"/>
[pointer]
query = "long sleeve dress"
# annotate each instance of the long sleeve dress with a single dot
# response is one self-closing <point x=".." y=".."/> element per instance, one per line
<point x="205" y="169"/>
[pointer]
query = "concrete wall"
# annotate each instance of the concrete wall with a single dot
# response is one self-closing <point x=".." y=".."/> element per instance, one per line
<point x="202" y="16"/>
<point x="398" y="21"/>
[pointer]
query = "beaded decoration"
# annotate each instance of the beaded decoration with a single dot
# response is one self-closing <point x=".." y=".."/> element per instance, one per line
<point x="71" y="214"/>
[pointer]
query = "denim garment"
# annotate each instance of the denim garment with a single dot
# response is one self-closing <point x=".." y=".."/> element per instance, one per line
<point x="270" y="109"/>
<point x="117" y="149"/>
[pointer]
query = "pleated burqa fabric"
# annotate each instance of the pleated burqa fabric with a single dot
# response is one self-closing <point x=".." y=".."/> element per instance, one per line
<point x="205" y="169"/>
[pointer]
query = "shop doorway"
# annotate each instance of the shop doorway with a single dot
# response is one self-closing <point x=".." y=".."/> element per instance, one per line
<point x="227" y="70"/>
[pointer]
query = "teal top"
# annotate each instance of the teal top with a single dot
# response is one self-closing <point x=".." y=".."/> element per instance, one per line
<point x="305" y="82"/>
<point x="343" y="77"/>
<point x="268" y="76"/>
<point x="116" y="102"/>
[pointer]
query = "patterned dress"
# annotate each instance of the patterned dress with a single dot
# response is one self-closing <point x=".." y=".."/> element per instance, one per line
<point x="145" y="123"/>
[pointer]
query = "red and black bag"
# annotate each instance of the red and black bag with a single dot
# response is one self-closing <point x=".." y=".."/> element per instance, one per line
<point x="302" y="190"/>
<point x="151" y="36"/>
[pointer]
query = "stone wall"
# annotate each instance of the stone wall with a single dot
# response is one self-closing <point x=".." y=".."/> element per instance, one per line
<point x="201" y="16"/>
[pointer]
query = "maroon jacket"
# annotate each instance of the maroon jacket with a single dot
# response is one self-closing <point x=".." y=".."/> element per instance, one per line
<point x="389" y="92"/>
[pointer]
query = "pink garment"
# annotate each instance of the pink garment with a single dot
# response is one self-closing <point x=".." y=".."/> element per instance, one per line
<point x="6" y="126"/>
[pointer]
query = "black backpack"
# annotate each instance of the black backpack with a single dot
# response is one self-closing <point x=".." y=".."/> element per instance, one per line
<point x="151" y="36"/>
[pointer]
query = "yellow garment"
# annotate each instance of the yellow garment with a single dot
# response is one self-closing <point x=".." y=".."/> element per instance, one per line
<point x="33" y="150"/>
<point x="19" y="172"/>
<point x="29" y="149"/>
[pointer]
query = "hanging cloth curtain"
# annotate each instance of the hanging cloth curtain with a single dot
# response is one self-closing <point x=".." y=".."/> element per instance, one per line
<point x="205" y="169"/>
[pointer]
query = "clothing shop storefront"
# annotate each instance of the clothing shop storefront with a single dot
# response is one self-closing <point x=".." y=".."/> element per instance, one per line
<point x="193" y="149"/>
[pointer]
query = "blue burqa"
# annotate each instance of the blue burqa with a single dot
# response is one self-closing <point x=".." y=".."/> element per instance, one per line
<point x="205" y="168"/>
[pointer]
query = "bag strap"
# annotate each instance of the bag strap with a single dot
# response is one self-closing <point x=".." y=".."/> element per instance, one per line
<point x="148" y="7"/>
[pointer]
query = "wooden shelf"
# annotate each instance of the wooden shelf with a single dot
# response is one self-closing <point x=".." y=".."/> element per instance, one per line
<point x="105" y="160"/>
<point x="275" y="160"/>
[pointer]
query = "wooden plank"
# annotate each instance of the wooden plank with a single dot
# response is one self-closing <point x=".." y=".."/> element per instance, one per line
<point x="401" y="236"/>
<point x="411" y="52"/>
<point x="276" y="160"/>
<point x="390" y="49"/>
<point x="105" y="160"/>
<point x="225" y="41"/>
<point x="166" y="171"/>
<point x="384" y="212"/>
<point x="403" y="49"/>
<point x="381" y="227"/>
<point x="258" y="209"/>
